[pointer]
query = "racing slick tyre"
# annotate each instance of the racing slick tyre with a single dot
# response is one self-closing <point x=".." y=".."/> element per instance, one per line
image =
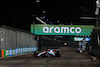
<point x="35" y="54"/>
<point x="58" y="54"/>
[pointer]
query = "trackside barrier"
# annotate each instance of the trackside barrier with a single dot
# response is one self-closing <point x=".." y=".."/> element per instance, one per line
<point x="16" y="41"/>
<point x="13" y="52"/>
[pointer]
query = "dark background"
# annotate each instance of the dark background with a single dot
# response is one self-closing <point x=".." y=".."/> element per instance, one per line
<point x="19" y="14"/>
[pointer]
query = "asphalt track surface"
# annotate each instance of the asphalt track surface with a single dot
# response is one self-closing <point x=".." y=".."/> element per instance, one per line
<point x="69" y="58"/>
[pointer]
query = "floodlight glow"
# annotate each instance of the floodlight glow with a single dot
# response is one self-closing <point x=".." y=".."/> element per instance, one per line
<point x="47" y="19"/>
<point x="37" y="1"/>
<point x="97" y="2"/>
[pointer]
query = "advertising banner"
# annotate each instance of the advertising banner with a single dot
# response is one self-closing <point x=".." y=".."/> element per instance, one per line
<point x="16" y="51"/>
<point x="32" y="49"/>
<point x="27" y="49"/>
<point x="81" y="38"/>
<point x="10" y="52"/>
<point x="13" y="52"/>
<point x="62" y="29"/>
<point x="19" y="50"/>
<point x="6" y="53"/>
<point x="23" y="50"/>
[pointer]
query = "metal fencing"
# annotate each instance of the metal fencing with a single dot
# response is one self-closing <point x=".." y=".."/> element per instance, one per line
<point x="8" y="37"/>
<point x="16" y="41"/>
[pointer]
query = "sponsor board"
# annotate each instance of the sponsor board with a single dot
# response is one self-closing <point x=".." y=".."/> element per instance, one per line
<point x="62" y="29"/>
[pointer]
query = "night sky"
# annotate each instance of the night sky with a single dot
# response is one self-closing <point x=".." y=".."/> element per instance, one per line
<point x="19" y="14"/>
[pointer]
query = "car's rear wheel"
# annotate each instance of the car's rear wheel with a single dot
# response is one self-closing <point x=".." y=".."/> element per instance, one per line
<point x="58" y="54"/>
<point x="35" y="54"/>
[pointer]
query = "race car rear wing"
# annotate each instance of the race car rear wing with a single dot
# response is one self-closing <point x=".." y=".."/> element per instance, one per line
<point x="56" y="49"/>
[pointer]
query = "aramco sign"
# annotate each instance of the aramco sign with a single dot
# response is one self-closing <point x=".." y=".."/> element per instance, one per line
<point x="62" y="29"/>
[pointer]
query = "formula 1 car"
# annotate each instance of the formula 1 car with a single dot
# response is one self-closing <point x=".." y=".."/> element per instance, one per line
<point x="48" y="53"/>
